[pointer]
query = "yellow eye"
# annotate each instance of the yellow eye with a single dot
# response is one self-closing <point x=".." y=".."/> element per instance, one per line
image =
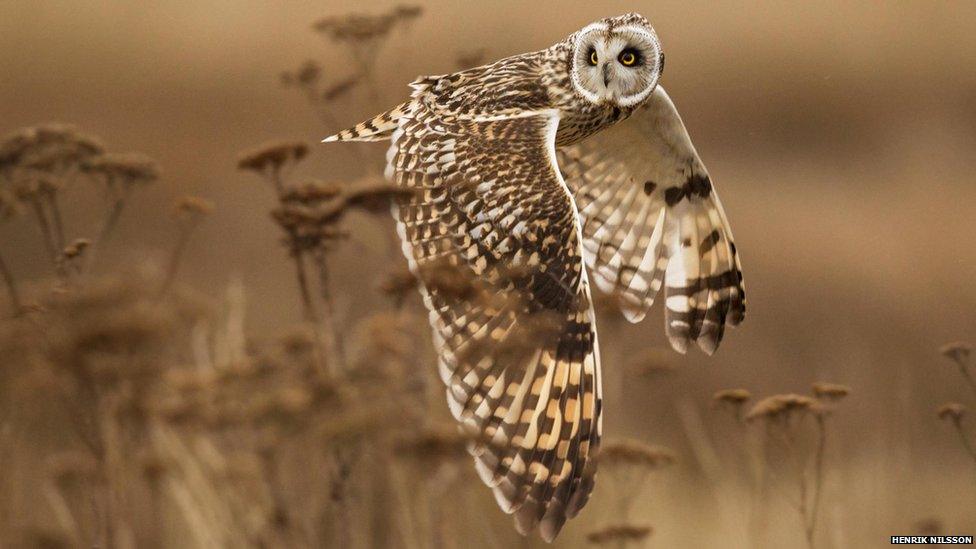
<point x="628" y="58"/>
<point x="593" y="58"/>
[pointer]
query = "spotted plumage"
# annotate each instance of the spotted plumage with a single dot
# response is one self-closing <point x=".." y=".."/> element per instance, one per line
<point x="524" y="171"/>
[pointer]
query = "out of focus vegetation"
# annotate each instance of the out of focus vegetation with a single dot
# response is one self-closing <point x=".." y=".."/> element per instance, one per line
<point x="147" y="401"/>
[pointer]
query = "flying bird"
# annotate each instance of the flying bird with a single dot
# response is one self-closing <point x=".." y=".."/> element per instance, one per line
<point x="522" y="171"/>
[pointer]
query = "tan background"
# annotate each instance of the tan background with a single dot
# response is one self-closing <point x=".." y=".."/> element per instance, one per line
<point x="840" y="135"/>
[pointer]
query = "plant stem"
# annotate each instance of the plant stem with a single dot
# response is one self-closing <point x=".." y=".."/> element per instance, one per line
<point x="174" y="260"/>
<point x="818" y="478"/>
<point x="965" y="441"/>
<point x="310" y="313"/>
<point x="335" y="354"/>
<point x="969" y="378"/>
<point x="339" y="494"/>
<point x="48" y="236"/>
<point x="11" y="283"/>
<point x="57" y="220"/>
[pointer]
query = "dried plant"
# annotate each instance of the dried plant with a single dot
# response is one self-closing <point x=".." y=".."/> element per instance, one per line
<point x="629" y="463"/>
<point x="620" y="535"/>
<point x="38" y="163"/>
<point x="119" y="175"/>
<point x="471" y="58"/>
<point x="273" y="161"/>
<point x="9" y="209"/>
<point x="959" y="353"/>
<point x="651" y="363"/>
<point x="189" y="212"/>
<point x="783" y="417"/>
<point x="732" y="399"/>
<point x="954" y="413"/>
<point x="832" y="392"/>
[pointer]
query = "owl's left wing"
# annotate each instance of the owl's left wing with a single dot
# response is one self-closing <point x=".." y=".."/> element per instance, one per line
<point x="651" y="217"/>
<point x="516" y="336"/>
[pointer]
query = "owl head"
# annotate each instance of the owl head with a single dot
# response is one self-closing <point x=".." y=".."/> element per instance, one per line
<point x="616" y="61"/>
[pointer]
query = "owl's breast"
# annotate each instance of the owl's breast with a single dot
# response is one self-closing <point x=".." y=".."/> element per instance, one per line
<point x="578" y="124"/>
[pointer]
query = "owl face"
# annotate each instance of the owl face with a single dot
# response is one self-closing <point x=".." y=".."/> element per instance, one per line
<point x="617" y="65"/>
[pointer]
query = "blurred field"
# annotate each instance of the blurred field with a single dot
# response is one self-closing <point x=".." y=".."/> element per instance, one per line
<point x="840" y="136"/>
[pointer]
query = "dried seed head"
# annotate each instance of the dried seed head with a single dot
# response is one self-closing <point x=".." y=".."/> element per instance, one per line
<point x="619" y="534"/>
<point x="652" y="362"/>
<point x="407" y="12"/>
<point x="958" y="352"/>
<point x="830" y="391"/>
<point x="47" y="147"/>
<point x="398" y="284"/>
<point x="36" y="184"/>
<point x="194" y="206"/>
<point x="356" y="27"/>
<point x="736" y="397"/>
<point x="782" y="407"/>
<point x="272" y="155"/>
<point x="953" y="411"/>
<point x="308" y="73"/>
<point x="635" y="453"/>
<point x="127" y="168"/>
<point x="76" y="248"/>
<point x="375" y="197"/>
<point x="472" y="58"/>
<point x="340" y="88"/>
<point x="311" y="192"/>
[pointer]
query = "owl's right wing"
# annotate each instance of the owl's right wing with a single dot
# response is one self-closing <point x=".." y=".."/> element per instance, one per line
<point x="651" y="217"/>
<point x="492" y="233"/>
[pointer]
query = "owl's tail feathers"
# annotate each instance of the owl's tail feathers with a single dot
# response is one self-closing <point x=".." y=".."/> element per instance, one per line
<point x="378" y="128"/>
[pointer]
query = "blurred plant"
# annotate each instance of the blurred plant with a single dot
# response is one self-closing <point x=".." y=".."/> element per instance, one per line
<point x="959" y="353"/>
<point x="430" y="463"/>
<point x="364" y="35"/>
<point x="651" y="363"/>
<point x="310" y="213"/>
<point x="783" y="417"/>
<point x="733" y="400"/>
<point x="38" y="163"/>
<point x="954" y="413"/>
<point x="620" y="535"/>
<point x="470" y="58"/>
<point x="273" y="161"/>
<point x="629" y="463"/>
<point x="189" y="212"/>
<point x="119" y="174"/>
<point x="9" y="209"/>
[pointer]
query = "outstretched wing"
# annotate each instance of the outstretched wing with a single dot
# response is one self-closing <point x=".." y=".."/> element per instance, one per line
<point x="493" y="235"/>
<point x="651" y="217"/>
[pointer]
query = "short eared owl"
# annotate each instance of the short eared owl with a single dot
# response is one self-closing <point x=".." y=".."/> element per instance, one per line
<point x="521" y="171"/>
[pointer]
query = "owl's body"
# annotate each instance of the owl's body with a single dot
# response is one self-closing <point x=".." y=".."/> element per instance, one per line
<point x="523" y="171"/>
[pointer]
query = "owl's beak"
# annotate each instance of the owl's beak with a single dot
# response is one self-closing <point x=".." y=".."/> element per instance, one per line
<point x="606" y="74"/>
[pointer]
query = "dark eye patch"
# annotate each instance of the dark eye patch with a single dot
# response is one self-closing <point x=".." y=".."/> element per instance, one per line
<point x="591" y="57"/>
<point x="631" y="57"/>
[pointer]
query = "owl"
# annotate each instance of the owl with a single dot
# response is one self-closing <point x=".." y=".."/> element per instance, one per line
<point x="516" y="175"/>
